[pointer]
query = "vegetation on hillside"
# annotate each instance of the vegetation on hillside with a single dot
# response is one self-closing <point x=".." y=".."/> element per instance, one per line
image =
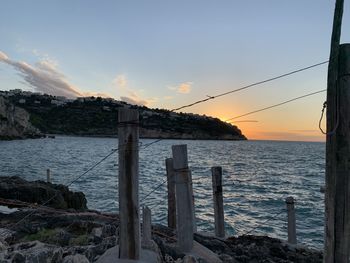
<point x="98" y="116"/>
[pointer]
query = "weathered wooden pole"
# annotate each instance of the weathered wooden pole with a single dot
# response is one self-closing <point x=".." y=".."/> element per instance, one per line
<point x="184" y="204"/>
<point x="333" y="117"/>
<point x="338" y="167"/>
<point x="146" y="227"/>
<point x="193" y="205"/>
<point x="292" y="233"/>
<point x="216" y="173"/>
<point x="48" y="175"/>
<point x="171" y="193"/>
<point x="128" y="135"/>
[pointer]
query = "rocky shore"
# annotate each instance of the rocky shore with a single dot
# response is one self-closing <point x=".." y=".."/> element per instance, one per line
<point x="33" y="233"/>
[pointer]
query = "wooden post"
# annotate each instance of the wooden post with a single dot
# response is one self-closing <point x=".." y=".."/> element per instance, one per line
<point x="48" y="175"/>
<point x="184" y="204"/>
<point x="292" y="233"/>
<point x="338" y="234"/>
<point x="334" y="115"/>
<point x="128" y="135"/>
<point x="146" y="227"/>
<point x="218" y="201"/>
<point x="193" y="205"/>
<point x="171" y="193"/>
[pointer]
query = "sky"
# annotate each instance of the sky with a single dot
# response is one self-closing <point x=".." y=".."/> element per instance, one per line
<point x="164" y="54"/>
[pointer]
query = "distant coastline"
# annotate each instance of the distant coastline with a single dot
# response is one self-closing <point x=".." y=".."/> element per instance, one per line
<point x="98" y="117"/>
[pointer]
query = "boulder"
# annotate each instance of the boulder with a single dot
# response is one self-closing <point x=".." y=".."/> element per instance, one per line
<point x="40" y="192"/>
<point x="31" y="252"/>
<point x="77" y="258"/>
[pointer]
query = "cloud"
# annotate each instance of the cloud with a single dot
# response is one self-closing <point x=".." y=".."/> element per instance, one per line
<point x="3" y="57"/>
<point x="136" y="101"/>
<point x="120" y="81"/>
<point x="44" y="77"/>
<point x="129" y="95"/>
<point x="183" y="88"/>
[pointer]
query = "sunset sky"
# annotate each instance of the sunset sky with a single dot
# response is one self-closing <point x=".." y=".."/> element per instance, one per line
<point x="168" y="53"/>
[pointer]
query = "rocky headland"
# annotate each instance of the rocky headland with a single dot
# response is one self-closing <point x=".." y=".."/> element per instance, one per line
<point x="96" y="116"/>
<point x="14" y="122"/>
<point x="62" y="231"/>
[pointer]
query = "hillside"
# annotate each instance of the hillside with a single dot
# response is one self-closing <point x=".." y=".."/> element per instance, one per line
<point x="92" y="116"/>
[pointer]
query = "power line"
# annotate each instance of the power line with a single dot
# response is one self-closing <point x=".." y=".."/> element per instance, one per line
<point x="245" y="121"/>
<point x="263" y="223"/>
<point x="250" y="85"/>
<point x="276" y="105"/>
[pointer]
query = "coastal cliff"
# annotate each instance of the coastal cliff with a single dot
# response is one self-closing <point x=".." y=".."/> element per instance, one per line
<point x="95" y="116"/>
<point x="14" y="122"/>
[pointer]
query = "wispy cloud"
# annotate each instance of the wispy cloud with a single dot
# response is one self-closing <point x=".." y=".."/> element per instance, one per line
<point x="183" y="88"/>
<point x="120" y="81"/>
<point x="44" y="77"/>
<point x="129" y="95"/>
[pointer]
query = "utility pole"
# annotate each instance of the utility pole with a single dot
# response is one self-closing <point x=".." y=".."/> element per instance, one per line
<point x="337" y="150"/>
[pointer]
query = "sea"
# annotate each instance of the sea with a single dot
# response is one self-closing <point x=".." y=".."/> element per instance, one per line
<point x="257" y="178"/>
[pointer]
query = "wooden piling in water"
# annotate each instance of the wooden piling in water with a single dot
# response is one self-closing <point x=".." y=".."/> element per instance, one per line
<point x="292" y="234"/>
<point x="171" y="193"/>
<point x="128" y="136"/>
<point x="184" y="204"/>
<point x="218" y="201"/>
<point x="146" y="227"/>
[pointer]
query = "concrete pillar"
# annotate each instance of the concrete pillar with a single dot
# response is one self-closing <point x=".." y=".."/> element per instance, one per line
<point x="218" y="201"/>
<point x="292" y="233"/>
<point x="128" y="136"/>
<point x="184" y="204"/>
<point x="146" y="227"/>
<point x="48" y="175"/>
<point x="171" y="193"/>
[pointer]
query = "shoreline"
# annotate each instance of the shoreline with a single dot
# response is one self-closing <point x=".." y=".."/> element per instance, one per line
<point x="33" y="231"/>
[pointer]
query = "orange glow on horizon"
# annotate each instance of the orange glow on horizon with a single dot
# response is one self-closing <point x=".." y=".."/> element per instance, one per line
<point x="255" y="130"/>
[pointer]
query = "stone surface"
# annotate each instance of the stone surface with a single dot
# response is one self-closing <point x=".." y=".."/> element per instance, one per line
<point x="14" y="122"/>
<point x="204" y="253"/>
<point x="66" y="233"/>
<point x="78" y="258"/>
<point x="111" y="256"/>
<point x="39" y="192"/>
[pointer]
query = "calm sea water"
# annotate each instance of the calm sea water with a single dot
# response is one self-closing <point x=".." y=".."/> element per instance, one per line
<point x="258" y="176"/>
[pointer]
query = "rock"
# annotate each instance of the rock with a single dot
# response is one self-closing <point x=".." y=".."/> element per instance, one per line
<point x="204" y="254"/>
<point x="109" y="230"/>
<point x="3" y="246"/>
<point x="6" y="234"/>
<point x="32" y="252"/>
<point x="97" y="232"/>
<point x="111" y="256"/>
<point x="78" y="258"/>
<point x="168" y="249"/>
<point x="18" y="258"/>
<point x="57" y="255"/>
<point x="189" y="259"/>
<point x="14" y="122"/>
<point x="39" y="192"/>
